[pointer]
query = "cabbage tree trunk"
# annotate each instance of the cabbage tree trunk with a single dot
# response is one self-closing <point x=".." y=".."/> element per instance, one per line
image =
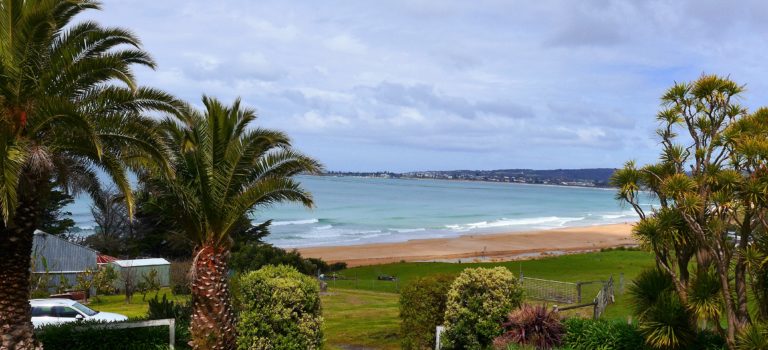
<point x="213" y="317"/>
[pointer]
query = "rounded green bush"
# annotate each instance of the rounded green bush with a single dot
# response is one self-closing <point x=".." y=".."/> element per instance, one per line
<point x="422" y="308"/>
<point x="280" y="309"/>
<point x="478" y="302"/>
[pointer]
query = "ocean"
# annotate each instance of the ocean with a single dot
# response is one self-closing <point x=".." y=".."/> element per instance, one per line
<point x="352" y="210"/>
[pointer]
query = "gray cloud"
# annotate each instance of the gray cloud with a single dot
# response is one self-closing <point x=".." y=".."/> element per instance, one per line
<point x="404" y="85"/>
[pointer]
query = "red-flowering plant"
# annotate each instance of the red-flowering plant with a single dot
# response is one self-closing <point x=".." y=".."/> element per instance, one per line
<point x="532" y="326"/>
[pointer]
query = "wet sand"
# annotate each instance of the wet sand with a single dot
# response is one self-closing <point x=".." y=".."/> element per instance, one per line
<point x="484" y="247"/>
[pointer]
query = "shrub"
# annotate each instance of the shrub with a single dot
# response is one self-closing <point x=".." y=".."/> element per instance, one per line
<point x="104" y="280"/>
<point x="664" y="321"/>
<point x="64" y="285"/>
<point x="149" y="282"/>
<point x="280" y="310"/>
<point x="753" y="338"/>
<point x="39" y="294"/>
<point x="422" y="308"/>
<point x="533" y="326"/>
<point x="254" y="256"/>
<point x="65" y="337"/>
<point x="708" y="340"/>
<point x="478" y="301"/>
<point x="588" y="334"/>
<point x="182" y="312"/>
<point x="163" y="308"/>
<point x="84" y="281"/>
<point x="179" y="277"/>
<point x="337" y="266"/>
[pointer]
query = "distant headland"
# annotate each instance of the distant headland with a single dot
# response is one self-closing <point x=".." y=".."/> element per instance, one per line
<point x="590" y="177"/>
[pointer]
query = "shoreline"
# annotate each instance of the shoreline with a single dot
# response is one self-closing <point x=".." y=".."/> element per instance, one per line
<point x="469" y="181"/>
<point x="480" y="247"/>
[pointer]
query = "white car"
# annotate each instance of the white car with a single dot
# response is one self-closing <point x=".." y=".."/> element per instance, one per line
<point x="55" y="311"/>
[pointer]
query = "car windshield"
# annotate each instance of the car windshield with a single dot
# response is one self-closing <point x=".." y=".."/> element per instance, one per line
<point x="84" y="309"/>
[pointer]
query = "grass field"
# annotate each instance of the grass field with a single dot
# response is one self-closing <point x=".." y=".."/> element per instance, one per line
<point x="362" y="313"/>
<point x="136" y="309"/>
<point x="568" y="268"/>
<point x="361" y="319"/>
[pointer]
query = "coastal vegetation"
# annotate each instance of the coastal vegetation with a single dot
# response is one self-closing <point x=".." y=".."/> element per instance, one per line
<point x="422" y="308"/>
<point x="367" y="312"/>
<point x="71" y="111"/>
<point x="708" y="234"/>
<point x="225" y="168"/>
<point x="69" y="108"/>
<point x="478" y="301"/>
<point x="72" y="114"/>
<point x="280" y="309"/>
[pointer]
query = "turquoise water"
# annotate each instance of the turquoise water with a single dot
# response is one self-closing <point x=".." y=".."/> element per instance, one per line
<point x="353" y="210"/>
<point x="364" y="210"/>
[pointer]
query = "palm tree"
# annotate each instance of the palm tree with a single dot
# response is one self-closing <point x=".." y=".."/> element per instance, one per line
<point x="69" y="108"/>
<point x="225" y="169"/>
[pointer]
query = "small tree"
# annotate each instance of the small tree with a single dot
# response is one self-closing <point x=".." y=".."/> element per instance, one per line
<point x="149" y="282"/>
<point x="104" y="280"/>
<point x="478" y="301"/>
<point x="280" y="310"/>
<point x="179" y="277"/>
<point x="39" y="283"/>
<point x="128" y="282"/>
<point x="422" y="308"/>
<point x="113" y="222"/>
<point x="64" y="285"/>
<point x="84" y="281"/>
<point x="711" y="183"/>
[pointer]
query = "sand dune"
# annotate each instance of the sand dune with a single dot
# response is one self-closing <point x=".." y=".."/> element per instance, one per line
<point x="487" y="247"/>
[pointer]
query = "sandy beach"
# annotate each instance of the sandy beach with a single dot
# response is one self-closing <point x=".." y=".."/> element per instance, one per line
<point x="486" y="247"/>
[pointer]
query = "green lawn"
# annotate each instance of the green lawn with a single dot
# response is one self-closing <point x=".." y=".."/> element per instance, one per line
<point x="360" y="318"/>
<point x="352" y="317"/>
<point x="363" y="313"/>
<point x="137" y="308"/>
<point x="569" y="268"/>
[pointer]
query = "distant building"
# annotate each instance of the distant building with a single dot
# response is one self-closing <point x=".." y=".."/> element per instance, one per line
<point x="136" y="268"/>
<point x="60" y="259"/>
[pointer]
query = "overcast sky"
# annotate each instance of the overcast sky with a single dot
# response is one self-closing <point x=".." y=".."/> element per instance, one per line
<point x="428" y="85"/>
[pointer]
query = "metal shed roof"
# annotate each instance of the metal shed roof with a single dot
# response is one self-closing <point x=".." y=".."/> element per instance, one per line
<point x="141" y="262"/>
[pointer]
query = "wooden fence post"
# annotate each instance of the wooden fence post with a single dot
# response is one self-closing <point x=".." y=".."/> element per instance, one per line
<point x="578" y="292"/>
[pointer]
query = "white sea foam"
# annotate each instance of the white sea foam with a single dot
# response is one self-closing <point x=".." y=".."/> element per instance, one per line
<point x="408" y="230"/>
<point x="621" y="215"/>
<point x="295" y="222"/>
<point x="545" y="221"/>
<point x="613" y="216"/>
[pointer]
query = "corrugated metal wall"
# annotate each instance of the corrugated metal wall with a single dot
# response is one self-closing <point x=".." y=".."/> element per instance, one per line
<point x="163" y="274"/>
<point x="60" y="255"/>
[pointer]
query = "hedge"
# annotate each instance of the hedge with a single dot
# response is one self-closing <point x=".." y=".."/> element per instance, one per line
<point x="66" y="337"/>
<point x="422" y="308"/>
<point x="280" y="309"/>
<point x="478" y="302"/>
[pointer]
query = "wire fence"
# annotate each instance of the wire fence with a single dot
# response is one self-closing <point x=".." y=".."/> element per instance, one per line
<point x="562" y="292"/>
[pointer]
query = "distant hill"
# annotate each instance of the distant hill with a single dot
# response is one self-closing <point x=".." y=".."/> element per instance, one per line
<point x="590" y="177"/>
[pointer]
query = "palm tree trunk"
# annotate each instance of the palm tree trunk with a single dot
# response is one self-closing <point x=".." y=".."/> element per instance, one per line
<point x="16" y="330"/>
<point x="213" y="317"/>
